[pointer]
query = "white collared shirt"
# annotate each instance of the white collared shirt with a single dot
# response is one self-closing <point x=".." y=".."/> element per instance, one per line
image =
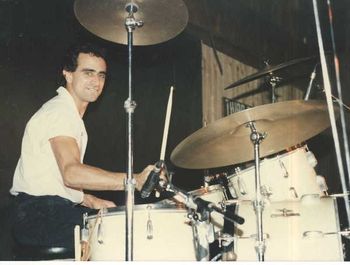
<point x="37" y="172"/>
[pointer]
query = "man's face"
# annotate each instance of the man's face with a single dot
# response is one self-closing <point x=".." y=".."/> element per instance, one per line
<point x="87" y="81"/>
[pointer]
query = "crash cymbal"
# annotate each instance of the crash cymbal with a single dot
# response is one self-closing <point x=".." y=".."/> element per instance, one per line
<point x="269" y="70"/>
<point x="227" y="140"/>
<point x="163" y="19"/>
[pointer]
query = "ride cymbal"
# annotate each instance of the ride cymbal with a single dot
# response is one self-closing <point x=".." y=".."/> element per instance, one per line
<point x="227" y="141"/>
<point x="163" y="19"/>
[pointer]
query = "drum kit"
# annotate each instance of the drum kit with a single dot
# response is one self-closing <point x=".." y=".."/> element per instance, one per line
<point x="276" y="209"/>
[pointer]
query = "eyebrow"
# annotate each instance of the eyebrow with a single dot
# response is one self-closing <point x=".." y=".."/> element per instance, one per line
<point x="92" y="70"/>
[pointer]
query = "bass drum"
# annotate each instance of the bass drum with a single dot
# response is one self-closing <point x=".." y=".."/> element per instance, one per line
<point x="305" y="230"/>
<point x="284" y="177"/>
<point x="162" y="232"/>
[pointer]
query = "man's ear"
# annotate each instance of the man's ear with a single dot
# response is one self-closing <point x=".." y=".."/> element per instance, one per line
<point x="67" y="75"/>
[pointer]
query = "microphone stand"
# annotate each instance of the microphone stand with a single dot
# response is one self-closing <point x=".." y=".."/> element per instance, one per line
<point x="198" y="204"/>
<point x="130" y="24"/>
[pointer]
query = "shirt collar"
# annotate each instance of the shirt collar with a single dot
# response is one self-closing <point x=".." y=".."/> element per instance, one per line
<point x="63" y="92"/>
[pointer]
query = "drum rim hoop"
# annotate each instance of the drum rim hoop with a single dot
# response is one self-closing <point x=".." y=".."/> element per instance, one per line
<point x="162" y="205"/>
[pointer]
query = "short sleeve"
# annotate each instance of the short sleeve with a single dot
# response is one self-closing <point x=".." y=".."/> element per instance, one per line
<point x="62" y="123"/>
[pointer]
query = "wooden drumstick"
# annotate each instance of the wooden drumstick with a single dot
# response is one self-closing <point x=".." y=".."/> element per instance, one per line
<point x="166" y="125"/>
<point x="166" y="129"/>
<point x="153" y="177"/>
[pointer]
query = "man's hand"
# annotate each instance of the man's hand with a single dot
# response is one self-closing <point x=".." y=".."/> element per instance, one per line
<point x="96" y="203"/>
<point x="142" y="177"/>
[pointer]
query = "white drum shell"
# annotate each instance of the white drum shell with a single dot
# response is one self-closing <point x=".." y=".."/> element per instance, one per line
<point x="283" y="235"/>
<point x="285" y="177"/>
<point x="172" y="237"/>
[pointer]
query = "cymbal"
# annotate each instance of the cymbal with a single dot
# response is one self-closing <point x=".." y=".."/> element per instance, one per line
<point x="163" y="19"/>
<point x="227" y="141"/>
<point x="269" y="70"/>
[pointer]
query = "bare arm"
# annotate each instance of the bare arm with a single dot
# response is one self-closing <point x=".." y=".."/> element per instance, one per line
<point x="81" y="176"/>
<point x="96" y="203"/>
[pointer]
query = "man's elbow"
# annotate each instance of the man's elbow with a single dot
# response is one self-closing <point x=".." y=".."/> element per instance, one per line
<point x="70" y="177"/>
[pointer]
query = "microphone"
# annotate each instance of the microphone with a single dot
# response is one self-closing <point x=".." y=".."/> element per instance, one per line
<point x="203" y="205"/>
<point x="152" y="180"/>
<point x="312" y="77"/>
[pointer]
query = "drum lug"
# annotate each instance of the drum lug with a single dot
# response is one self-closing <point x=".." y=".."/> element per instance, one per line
<point x="149" y="225"/>
<point x="285" y="213"/>
<point x="293" y="192"/>
<point x="283" y="167"/>
<point x="241" y="186"/>
<point x="84" y="234"/>
<point x="100" y="232"/>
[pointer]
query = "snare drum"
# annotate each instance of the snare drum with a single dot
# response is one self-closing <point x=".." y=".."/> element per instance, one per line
<point x="305" y="230"/>
<point x="284" y="177"/>
<point x="161" y="232"/>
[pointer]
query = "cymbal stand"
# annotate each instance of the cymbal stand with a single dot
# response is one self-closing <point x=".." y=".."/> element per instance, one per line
<point x="129" y="105"/>
<point x="273" y="80"/>
<point x="258" y="203"/>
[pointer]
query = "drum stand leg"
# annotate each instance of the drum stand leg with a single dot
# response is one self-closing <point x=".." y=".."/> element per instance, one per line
<point x="130" y="24"/>
<point x="258" y="203"/>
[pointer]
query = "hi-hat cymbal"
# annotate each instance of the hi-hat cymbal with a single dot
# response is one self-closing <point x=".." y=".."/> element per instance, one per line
<point x="269" y="70"/>
<point x="227" y="141"/>
<point x="163" y="19"/>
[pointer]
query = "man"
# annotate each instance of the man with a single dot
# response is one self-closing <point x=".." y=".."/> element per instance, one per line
<point x="50" y="175"/>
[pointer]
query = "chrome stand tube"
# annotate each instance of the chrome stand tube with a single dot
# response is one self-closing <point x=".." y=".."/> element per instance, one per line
<point x="258" y="203"/>
<point x="130" y="105"/>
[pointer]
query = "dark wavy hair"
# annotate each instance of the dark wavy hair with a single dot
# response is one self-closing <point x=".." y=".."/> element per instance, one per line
<point x="70" y="60"/>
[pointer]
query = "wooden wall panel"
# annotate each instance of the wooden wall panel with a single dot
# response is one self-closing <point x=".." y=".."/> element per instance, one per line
<point x="213" y="84"/>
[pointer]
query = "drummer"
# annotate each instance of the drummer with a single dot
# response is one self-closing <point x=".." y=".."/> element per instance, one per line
<point x="50" y="177"/>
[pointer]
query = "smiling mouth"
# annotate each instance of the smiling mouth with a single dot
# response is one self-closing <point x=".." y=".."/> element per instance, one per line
<point x="92" y="89"/>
